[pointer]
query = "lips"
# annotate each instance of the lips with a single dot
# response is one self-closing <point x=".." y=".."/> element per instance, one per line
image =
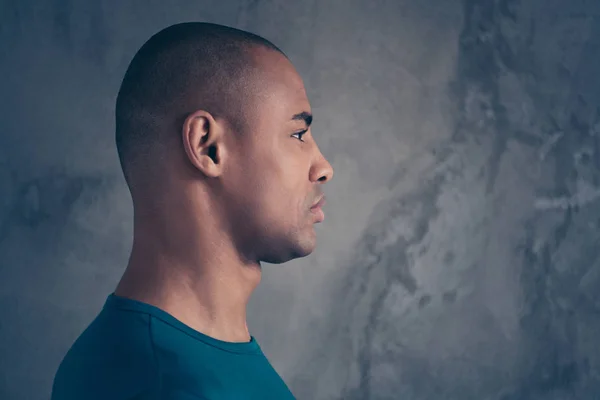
<point x="319" y="203"/>
<point x="316" y="210"/>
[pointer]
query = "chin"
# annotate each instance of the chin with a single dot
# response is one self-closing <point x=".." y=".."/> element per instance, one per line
<point x="300" y="249"/>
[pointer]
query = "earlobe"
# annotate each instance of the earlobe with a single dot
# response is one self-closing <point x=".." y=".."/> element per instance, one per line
<point x="202" y="142"/>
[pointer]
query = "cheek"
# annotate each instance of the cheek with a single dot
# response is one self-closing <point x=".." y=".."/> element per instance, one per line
<point x="276" y="199"/>
<point x="274" y="185"/>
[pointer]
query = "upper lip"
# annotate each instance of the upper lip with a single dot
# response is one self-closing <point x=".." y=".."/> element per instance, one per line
<point x="319" y="202"/>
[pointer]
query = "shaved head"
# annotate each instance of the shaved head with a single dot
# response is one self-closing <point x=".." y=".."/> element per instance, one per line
<point x="214" y="131"/>
<point x="179" y="70"/>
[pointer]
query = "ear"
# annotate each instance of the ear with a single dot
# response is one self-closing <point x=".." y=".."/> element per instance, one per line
<point x="203" y="143"/>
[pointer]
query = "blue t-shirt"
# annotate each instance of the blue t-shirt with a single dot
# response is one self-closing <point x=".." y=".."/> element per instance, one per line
<point x="136" y="351"/>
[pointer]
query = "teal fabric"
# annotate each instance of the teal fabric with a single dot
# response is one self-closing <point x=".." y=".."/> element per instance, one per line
<point x="135" y="351"/>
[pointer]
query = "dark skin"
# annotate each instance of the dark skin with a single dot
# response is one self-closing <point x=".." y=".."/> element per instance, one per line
<point x="223" y="203"/>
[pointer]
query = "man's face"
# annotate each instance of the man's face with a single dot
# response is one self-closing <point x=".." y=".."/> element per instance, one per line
<point x="277" y="169"/>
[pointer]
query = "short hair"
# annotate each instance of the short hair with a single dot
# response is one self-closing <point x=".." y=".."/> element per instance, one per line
<point x="182" y="68"/>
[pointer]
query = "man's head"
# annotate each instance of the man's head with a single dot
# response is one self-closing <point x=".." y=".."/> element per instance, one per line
<point x="213" y="132"/>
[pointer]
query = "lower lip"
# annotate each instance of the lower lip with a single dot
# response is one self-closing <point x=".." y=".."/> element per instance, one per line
<point x="318" y="212"/>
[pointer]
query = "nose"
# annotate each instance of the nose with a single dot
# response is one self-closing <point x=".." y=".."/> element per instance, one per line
<point x="322" y="171"/>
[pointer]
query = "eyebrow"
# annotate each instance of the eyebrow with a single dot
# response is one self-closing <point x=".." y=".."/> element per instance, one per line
<point x="303" y="116"/>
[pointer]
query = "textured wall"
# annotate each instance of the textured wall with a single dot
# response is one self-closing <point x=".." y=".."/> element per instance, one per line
<point x="459" y="258"/>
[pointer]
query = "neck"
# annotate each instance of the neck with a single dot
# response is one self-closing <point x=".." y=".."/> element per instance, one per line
<point x="207" y="288"/>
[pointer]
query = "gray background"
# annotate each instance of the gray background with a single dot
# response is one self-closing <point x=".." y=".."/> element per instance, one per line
<point x="459" y="258"/>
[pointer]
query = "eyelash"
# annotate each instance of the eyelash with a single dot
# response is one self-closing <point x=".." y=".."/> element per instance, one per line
<point x="301" y="133"/>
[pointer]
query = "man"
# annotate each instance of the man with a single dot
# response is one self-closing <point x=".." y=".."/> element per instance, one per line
<point x="212" y="132"/>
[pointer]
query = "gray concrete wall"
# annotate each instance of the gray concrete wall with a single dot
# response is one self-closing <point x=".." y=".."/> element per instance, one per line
<point x="459" y="258"/>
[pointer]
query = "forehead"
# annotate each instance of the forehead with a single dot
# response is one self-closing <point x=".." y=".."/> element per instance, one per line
<point x="280" y="85"/>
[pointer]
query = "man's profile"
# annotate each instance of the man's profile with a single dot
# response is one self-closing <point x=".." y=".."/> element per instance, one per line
<point x="213" y="136"/>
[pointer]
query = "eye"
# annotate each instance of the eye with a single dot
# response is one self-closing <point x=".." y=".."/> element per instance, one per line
<point x="300" y="134"/>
